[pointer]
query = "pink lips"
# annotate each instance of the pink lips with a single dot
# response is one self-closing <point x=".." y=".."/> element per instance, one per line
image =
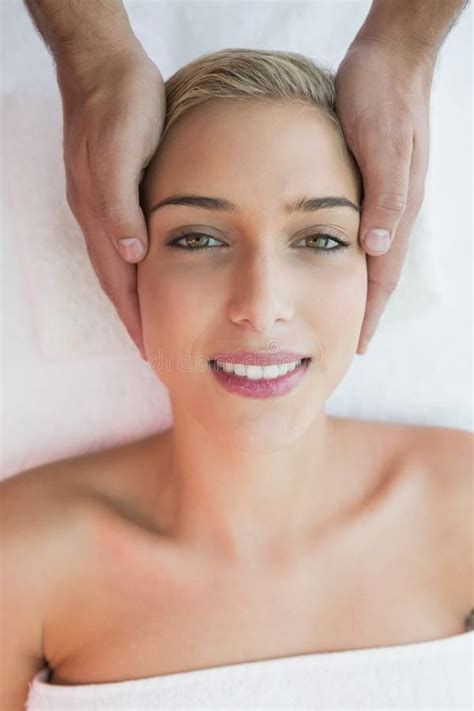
<point x="253" y="358"/>
<point x="263" y="388"/>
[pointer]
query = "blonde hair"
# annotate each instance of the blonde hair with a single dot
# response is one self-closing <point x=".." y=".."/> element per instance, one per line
<point x="241" y="74"/>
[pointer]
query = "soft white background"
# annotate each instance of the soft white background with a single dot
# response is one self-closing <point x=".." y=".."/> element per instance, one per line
<point x="73" y="381"/>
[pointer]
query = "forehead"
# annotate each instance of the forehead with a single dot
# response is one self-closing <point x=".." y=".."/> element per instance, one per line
<point x="253" y="151"/>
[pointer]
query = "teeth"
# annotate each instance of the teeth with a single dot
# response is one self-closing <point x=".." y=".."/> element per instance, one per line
<point x="258" y="372"/>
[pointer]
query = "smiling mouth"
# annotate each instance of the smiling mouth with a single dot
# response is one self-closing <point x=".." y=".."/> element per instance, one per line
<point x="219" y="368"/>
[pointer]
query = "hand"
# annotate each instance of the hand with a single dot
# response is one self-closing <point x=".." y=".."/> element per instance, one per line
<point x="113" y="116"/>
<point x="383" y="96"/>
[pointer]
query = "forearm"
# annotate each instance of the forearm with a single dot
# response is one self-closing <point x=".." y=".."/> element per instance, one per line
<point x="419" y="25"/>
<point x="71" y="28"/>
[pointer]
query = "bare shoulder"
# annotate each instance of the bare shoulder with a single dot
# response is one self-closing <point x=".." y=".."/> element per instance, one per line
<point x="38" y="502"/>
<point x="49" y="519"/>
<point x="33" y="541"/>
<point x="38" y="523"/>
<point x="431" y="468"/>
<point x="444" y="455"/>
<point x="62" y="496"/>
<point x="445" y="458"/>
<point x="45" y="508"/>
<point x="439" y="460"/>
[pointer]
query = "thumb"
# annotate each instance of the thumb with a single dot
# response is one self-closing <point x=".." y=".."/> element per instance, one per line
<point x="119" y="212"/>
<point x="386" y="183"/>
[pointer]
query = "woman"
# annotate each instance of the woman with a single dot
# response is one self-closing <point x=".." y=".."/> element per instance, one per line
<point x="257" y="529"/>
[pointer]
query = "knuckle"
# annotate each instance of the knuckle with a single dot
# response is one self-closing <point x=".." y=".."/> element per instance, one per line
<point x="402" y="144"/>
<point x="112" y="210"/>
<point x="97" y="157"/>
<point x="101" y="156"/>
<point x="399" y="123"/>
<point x="392" y="202"/>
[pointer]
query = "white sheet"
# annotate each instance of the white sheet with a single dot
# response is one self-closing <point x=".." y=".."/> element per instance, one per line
<point x="70" y="364"/>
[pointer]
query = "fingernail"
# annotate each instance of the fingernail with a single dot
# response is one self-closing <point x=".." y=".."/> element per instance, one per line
<point x="378" y="240"/>
<point x="131" y="249"/>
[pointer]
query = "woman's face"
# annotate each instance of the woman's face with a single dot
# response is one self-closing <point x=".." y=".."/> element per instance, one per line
<point x="266" y="278"/>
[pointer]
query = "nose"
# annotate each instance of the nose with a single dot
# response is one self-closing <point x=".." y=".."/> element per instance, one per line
<point x="261" y="293"/>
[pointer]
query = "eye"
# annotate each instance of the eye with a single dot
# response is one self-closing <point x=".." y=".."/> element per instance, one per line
<point x="196" y="245"/>
<point x="324" y="237"/>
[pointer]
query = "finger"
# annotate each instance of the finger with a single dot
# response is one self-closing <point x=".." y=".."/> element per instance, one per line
<point x="119" y="281"/>
<point x="383" y="275"/>
<point x="107" y="211"/>
<point x="385" y="167"/>
<point x="116" y="202"/>
<point x="384" y="271"/>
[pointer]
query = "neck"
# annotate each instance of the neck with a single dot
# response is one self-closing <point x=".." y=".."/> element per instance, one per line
<point x="246" y="499"/>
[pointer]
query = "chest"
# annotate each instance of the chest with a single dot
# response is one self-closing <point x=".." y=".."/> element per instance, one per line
<point x="135" y="611"/>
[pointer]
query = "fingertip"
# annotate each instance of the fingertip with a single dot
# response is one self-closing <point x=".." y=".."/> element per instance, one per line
<point x="377" y="241"/>
<point x="131" y="249"/>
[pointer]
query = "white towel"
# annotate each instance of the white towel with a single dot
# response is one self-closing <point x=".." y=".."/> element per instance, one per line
<point x="425" y="675"/>
<point x="73" y="318"/>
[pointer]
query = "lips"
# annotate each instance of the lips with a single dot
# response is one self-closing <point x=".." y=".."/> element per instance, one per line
<point x="260" y="387"/>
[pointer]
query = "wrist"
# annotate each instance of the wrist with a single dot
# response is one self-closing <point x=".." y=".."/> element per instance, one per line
<point x="415" y="54"/>
<point x="77" y="46"/>
<point x="82" y="68"/>
<point x="93" y="38"/>
<point x="402" y="28"/>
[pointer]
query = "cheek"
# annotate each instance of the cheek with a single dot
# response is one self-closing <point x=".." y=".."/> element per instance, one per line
<point x="349" y="299"/>
<point x="340" y="294"/>
<point x="341" y="299"/>
<point x="174" y="313"/>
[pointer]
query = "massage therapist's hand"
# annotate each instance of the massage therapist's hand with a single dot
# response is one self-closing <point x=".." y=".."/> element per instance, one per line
<point x="383" y="88"/>
<point x="113" y="115"/>
<point x="383" y="97"/>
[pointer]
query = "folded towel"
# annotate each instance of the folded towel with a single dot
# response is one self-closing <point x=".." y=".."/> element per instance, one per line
<point x="425" y="675"/>
<point x="73" y="318"/>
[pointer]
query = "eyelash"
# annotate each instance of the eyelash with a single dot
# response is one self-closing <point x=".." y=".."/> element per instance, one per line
<point x="322" y="235"/>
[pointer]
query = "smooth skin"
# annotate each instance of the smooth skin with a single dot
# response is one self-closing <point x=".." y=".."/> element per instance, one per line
<point x="114" y="108"/>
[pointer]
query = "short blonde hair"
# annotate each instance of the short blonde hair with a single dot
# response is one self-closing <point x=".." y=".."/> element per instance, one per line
<point x="240" y="74"/>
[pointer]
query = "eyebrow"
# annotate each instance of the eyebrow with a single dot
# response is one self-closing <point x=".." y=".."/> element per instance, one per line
<point x="304" y="204"/>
